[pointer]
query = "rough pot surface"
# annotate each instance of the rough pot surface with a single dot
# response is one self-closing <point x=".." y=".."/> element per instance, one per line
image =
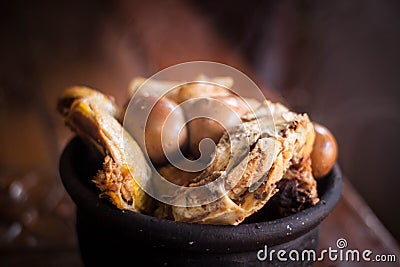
<point x="107" y="234"/>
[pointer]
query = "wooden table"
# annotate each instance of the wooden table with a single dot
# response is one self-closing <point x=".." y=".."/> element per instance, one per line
<point x="49" y="47"/>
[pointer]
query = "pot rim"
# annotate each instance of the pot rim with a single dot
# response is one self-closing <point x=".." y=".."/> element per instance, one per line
<point x="170" y="233"/>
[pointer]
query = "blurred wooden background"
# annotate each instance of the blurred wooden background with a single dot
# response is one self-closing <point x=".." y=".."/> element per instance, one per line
<point x="339" y="61"/>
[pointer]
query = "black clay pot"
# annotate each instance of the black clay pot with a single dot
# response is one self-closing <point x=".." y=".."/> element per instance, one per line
<point x="109" y="236"/>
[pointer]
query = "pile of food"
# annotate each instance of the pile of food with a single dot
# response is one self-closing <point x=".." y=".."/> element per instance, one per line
<point x="283" y="155"/>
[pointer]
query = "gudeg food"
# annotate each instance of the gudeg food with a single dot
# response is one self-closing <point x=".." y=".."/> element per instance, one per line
<point x="91" y="115"/>
<point x="325" y="151"/>
<point x="280" y="143"/>
<point x="254" y="180"/>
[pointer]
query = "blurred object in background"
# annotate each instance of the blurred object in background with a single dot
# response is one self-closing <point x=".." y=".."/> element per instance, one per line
<point x="343" y="70"/>
<point x="353" y="87"/>
<point x="339" y="61"/>
<point x="45" y="46"/>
